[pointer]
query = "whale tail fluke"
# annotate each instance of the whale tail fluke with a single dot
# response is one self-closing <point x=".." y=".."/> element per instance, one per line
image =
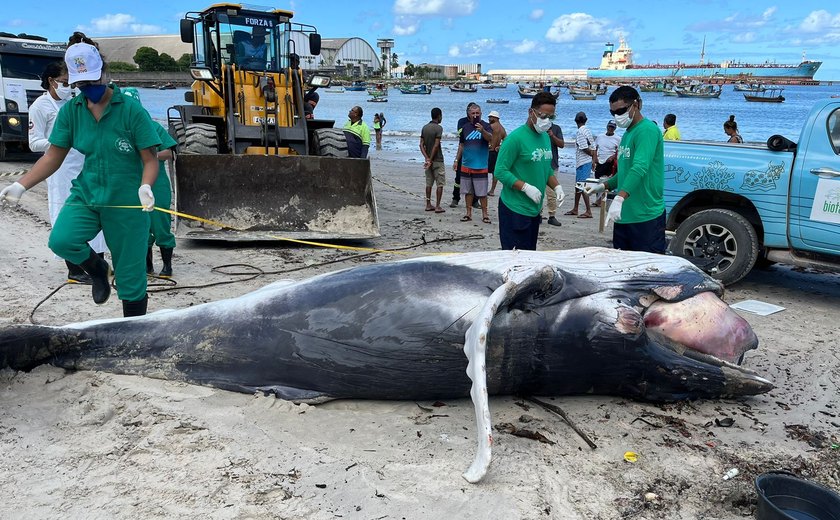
<point x="23" y="347"/>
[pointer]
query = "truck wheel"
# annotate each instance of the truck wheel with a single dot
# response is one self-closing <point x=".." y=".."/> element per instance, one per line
<point x="329" y="142"/>
<point x="179" y="133"/>
<point x="721" y="236"/>
<point x="200" y="139"/>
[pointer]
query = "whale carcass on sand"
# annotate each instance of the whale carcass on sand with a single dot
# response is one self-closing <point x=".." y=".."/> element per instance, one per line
<point x="590" y="320"/>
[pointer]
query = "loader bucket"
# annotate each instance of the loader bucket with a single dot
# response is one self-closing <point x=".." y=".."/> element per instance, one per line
<point x="271" y="197"/>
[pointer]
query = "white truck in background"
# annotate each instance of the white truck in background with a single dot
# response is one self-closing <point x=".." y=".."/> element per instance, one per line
<point x="23" y="59"/>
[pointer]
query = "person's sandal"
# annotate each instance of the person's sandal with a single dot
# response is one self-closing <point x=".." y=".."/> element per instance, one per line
<point x="486" y="220"/>
<point x="466" y="218"/>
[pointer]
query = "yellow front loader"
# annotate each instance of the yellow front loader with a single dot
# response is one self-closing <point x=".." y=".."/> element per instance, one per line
<point x="249" y="160"/>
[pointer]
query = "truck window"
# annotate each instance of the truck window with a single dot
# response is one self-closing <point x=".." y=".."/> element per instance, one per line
<point x="834" y="130"/>
<point x="25" y="66"/>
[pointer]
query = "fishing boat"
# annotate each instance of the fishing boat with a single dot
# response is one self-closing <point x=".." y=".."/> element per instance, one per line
<point x="584" y="96"/>
<point x="339" y="90"/>
<point x="357" y="86"/>
<point x="378" y="99"/>
<point x="416" y="89"/>
<point x="700" y="90"/>
<point x="528" y="92"/>
<point x="749" y="87"/>
<point x="379" y="90"/>
<point x="769" y="95"/>
<point x="166" y="86"/>
<point x="500" y="101"/>
<point x="463" y="87"/>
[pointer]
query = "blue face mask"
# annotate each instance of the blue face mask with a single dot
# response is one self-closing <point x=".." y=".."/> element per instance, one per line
<point x="93" y="92"/>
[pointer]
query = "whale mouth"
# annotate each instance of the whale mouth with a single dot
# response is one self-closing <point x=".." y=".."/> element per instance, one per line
<point x="701" y="324"/>
<point x="705" y="329"/>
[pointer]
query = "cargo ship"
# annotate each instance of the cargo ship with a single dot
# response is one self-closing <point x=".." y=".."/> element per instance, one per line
<point x="617" y="66"/>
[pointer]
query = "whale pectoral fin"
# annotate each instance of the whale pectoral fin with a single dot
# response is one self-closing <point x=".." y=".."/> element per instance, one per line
<point x="518" y="281"/>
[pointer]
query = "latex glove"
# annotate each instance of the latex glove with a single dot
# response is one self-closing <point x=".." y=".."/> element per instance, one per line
<point x="596" y="189"/>
<point x="12" y="194"/>
<point x="561" y="195"/>
<point x="532" y="193"/>
<point x="147" y="198"/>
<point x="614" y="213"/>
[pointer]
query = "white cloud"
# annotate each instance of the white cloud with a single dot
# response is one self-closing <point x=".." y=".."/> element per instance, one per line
<point x="475" y="47"/>
<point x="735" y="22"/>
<point x="578" y="27"/>
<point x="435" y="7"/>
<point x="406" y="25"/>
<point x="746" y="37"/>
<point x="119" y="23"/>
<point x="820" y="20"/>
<point x="524" y="47"/>
<point x="536" y="14"/>
<point x="17" y="22"/>
<point x="454" y="50"/>
<point x="768" y="13"/>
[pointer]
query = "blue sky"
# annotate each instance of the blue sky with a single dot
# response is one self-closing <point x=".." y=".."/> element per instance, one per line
<point x="502" y="33"/>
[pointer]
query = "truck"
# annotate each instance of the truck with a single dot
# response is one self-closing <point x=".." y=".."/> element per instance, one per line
<point x="734" y="206"/>
<point x="23" y="59"/>
<point x="250" y="164"/>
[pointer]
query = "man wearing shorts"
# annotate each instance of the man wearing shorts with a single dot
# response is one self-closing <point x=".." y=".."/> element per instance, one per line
<point x="473" y="155"/>
<point x="433" y="159"/>
<point x="584" y="152"/>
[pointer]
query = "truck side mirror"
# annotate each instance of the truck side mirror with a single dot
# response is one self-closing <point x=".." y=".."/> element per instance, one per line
<point x="186" y="30"/>
<point x="314" y="44"/>
<point x="778" y="143"/>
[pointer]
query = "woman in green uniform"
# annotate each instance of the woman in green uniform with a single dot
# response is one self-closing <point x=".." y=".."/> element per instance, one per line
<point x="119" y="143"/>
<point x="161" y="223"/>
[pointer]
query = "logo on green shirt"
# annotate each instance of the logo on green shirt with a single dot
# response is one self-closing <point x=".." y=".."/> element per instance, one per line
<point x="123" y="145"/>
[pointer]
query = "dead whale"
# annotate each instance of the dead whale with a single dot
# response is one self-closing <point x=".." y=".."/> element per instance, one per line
<point x="590" y="320"/>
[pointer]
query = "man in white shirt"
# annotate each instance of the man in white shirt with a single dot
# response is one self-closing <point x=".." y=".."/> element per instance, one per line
<point x="584" y="154"/>
<point x="606" y="149"/>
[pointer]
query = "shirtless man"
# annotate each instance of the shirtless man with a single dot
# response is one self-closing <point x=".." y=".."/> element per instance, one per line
<point x="499" y="134"/>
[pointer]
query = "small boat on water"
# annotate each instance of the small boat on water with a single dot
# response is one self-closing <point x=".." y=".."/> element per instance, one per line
<point x="749" y="87"/>
<point x="500" y="101"/>
<point x="584" y="96"/>
<point x="166" y="86"/>
<point x="416" y="89"/>
<point x="339" y="90"/>
<point x="378" y="99"/>
<point x="463" y="87"/>
<point x="357" y="86"/>
<point x="769" y="95"/>
<point x="528" y="92"/>
<point x="700" y="90"/>
<point x="379" y="90"/>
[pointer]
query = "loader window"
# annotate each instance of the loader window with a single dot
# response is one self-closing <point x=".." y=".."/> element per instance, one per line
<point x="252" y="43"/>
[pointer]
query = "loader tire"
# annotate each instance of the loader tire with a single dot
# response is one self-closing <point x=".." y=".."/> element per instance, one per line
<point x="330" y="142"/>
<point x="179" y="133"/>
<point x="200" y="139"/>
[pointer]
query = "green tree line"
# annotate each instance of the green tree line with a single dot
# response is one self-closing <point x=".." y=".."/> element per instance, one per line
<point x="148" y="59"/>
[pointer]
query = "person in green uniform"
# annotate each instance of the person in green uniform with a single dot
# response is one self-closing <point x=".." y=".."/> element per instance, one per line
<point x="119" y="143"/>
<point x="639" y="207"/>
<point x="524" y="169"/>
<point x="161" y="222"/>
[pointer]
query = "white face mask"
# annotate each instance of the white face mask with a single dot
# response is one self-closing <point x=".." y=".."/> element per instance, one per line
<point x="64" y="93"/>
<point x="541" y="125"/>
<point x="624" y="120"/>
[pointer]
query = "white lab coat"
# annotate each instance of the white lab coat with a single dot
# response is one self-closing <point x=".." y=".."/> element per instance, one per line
<point x="42" y="114"/>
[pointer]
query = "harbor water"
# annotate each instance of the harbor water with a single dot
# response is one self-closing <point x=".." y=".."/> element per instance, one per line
<point x="700" y="119"/>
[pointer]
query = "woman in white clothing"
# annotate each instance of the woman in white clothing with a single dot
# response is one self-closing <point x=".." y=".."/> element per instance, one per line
<point x="42" y="115"/>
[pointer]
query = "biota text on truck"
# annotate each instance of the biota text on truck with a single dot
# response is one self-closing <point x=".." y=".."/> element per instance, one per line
<point x="737" y="205"/>
<point x="248" y="158"/>
<point x="23" y="59"/>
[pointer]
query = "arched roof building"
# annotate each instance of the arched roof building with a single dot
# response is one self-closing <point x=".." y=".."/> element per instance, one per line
<point x="340" y="52"/>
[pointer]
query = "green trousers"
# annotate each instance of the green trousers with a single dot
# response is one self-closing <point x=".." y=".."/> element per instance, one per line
<point x="126" y="232"/>
<point x="160" y="232"/>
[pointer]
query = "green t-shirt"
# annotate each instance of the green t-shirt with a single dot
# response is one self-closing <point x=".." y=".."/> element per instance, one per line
<point x="113" y="168"/>
<point x="525" y="155"/>
<point x="641" y="173"/>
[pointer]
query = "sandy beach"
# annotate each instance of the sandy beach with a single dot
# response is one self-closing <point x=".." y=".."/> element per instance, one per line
<point x="99" y="445"/>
